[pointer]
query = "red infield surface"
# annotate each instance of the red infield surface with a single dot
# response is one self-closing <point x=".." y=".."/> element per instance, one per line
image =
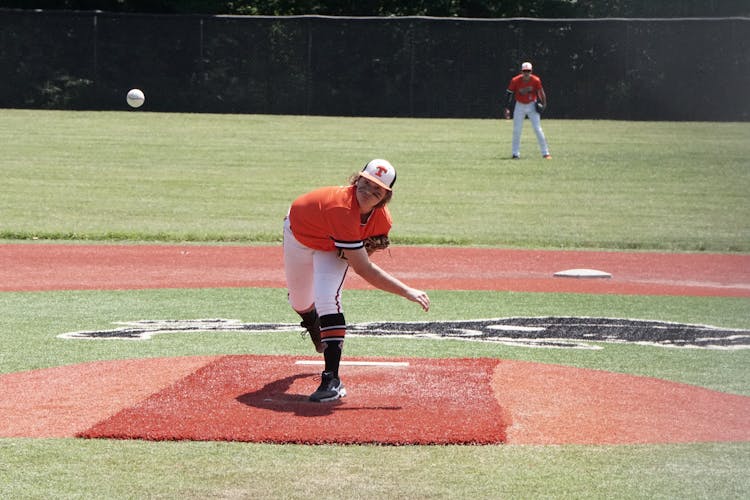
<point x="33" y="267"/>
<point x="422" y="401"/>
<point x="263" y="398"/>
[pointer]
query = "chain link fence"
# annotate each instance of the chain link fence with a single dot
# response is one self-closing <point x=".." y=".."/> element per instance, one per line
<point x="634" y="69"/>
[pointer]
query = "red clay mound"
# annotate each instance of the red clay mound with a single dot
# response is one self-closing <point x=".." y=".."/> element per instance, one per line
<point x="264" y="399"/>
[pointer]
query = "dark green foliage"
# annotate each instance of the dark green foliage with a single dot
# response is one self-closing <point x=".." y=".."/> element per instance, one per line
<point x="438" y="8"/>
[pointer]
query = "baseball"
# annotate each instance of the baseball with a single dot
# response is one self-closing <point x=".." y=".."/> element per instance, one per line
<point x="135" y="98"/>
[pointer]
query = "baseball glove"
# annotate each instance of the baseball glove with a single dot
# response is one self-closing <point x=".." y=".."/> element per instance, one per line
<point x="539" y="107"/>
<point x="375" y="243"/>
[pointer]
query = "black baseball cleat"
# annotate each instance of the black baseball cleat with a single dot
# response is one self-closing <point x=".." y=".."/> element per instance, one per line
<point x="516" y="157"/>
<point x="330" y="389"/>
<point x="314" y="331"/>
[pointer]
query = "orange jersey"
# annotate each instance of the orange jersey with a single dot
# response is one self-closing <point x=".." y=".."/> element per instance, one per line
<point x="525" y="91"/>
<point x="328" y="218"/>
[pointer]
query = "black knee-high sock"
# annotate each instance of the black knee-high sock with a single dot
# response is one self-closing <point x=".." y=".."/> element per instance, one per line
<point x="333" y="327"/>
<point x="332" y="356"/>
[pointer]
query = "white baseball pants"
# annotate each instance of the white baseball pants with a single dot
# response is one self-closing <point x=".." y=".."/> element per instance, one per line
<point x="520" y="112"/>
<point x="312" y="276"/>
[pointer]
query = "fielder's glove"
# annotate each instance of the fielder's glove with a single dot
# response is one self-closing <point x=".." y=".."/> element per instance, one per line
<point x="539" y="107"/>
<point x="372" y="245"/>
<point x="375" y="243"/>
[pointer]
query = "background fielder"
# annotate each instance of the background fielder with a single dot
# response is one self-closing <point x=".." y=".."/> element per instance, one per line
<point x="526" y="96"/>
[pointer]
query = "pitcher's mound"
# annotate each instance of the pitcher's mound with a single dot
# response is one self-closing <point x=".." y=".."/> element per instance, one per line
<point x="389" y="401"/>
<point x="265" y="399"/>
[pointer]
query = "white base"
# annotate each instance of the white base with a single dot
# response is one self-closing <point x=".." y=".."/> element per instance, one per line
<point x="582" y="273"/>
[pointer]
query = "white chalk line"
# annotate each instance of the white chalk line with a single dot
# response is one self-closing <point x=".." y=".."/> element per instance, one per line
<point x="355" y="363"/>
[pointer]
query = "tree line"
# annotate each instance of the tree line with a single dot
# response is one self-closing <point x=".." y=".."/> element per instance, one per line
<point x="437" y="8"/>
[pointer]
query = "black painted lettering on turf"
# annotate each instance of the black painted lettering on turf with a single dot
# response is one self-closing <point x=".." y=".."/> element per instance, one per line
<point x="544" y="332"/>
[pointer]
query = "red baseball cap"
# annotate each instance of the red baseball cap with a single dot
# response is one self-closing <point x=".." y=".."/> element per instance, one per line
<point x="381" y="172"/>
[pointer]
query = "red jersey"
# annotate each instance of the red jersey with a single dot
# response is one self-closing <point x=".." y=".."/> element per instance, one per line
<point x="525" y="91"/>
<point x="328" y="218"/>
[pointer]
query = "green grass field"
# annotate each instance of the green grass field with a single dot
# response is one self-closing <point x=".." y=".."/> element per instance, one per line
<point x="149" y="176"/>
<point x="139" y="176"/>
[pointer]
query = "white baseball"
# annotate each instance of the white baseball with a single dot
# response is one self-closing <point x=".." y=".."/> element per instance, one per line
<point x="135" y="98"/>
